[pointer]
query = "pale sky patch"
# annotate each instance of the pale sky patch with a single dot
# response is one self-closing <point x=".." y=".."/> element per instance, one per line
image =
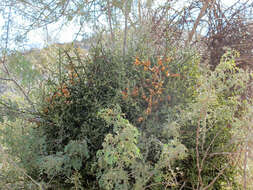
<point x="67" y="33"/>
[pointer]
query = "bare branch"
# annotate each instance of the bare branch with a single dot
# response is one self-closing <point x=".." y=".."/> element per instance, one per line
<point x="21" y="89"/>
<point x="201" y="14"/>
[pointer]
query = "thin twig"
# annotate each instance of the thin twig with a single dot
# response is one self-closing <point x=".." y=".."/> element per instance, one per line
<point x="21" y="89"/>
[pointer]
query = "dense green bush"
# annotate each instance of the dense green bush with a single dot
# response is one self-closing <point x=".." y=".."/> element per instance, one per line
<point x="73" y="130"/>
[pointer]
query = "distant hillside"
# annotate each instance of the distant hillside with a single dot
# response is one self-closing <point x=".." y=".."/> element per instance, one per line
<point x="31" y="67"/>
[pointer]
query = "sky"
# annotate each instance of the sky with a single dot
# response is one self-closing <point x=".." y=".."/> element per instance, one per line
<point x="39" y="38"/>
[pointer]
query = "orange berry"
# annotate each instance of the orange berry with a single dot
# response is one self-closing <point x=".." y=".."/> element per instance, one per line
<point x="135" y="92"/>
<point x="159" y="62"/>
<point x="167" y="73"/>
<point x="137" y="62"/>
<point x="140" y="119"/>
<point x="124" y="94"/>
<point x="65" y="92"/>
<point x="148" y="111"/>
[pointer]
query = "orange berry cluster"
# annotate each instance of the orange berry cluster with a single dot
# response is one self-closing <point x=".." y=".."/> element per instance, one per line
<point x="63" y="90"/>
<point x="72" y="75"/>
<point x="151" y="90"/>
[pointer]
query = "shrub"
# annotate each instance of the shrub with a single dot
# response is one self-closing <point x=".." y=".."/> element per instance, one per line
<point x="122" y="164"/>
<point x="73" y="131"/>
<point x="210" y="127"/>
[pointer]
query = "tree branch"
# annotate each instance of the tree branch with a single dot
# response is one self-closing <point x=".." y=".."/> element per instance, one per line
<point x="201" y="14"/>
